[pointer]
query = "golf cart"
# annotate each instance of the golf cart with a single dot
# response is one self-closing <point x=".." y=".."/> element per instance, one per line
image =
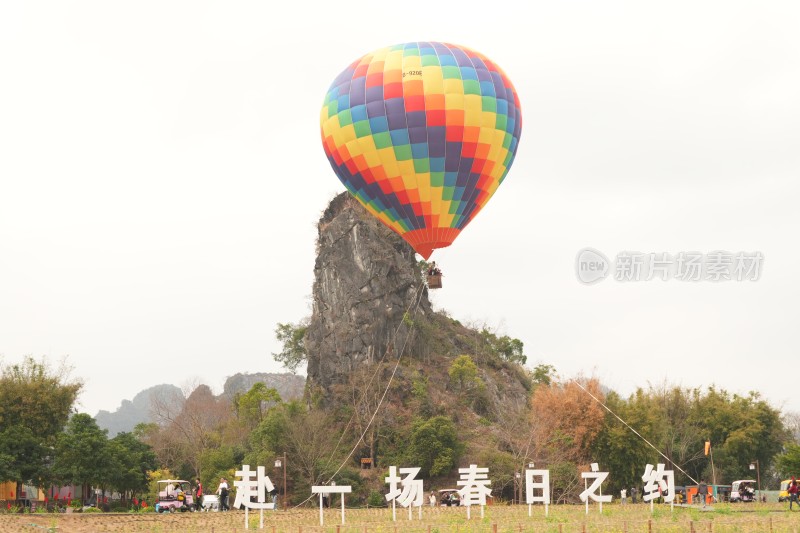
<point x="743" y="490"/>
<point x="174" y="495"/>
<point x="449" y="498"/>
<point x="210" y="502"/>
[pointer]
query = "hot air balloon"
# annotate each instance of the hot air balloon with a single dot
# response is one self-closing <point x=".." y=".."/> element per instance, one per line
<point x="422" y="134"/>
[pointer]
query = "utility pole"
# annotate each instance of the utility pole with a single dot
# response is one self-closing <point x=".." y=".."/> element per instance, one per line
<point x="286" y="503"/>
<point x="754" y="465"/>
<point x="279" y="464"/>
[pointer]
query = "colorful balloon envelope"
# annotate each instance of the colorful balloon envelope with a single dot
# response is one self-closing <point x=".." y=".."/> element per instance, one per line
<point x="422" y="134"/>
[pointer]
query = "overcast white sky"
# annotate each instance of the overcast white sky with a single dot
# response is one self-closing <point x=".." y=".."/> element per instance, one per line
<point x="161" y="174"/>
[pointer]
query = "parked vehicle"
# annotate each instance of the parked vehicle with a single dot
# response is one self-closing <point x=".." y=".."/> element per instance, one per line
<point x="783" y="496"/>
<point x="716" y="494"/>
<point x="174" y="495"/>
<point x="449" y="497"/>
<point x="694" y="499"/>
<point x="680" y="494"/>
<point x="210" y="502"/>
<point x="743" y="490"/>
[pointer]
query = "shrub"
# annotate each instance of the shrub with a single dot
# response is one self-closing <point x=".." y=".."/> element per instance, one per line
<point x="376" y="499"/>
<point x="434" y="446"/>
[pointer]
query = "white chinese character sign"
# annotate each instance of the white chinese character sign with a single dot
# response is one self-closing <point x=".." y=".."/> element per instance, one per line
<point x="658" y="482"/>
<point x="537" y="491"/>
<point x="411" y="494"/>
<point x="252" y="486"/>
<point x="325" y="490"/>
<point x="475" y="487"/>
<point x="594" y="491"/>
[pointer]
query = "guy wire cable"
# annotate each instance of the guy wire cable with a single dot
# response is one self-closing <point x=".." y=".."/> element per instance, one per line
<point x="388" y="384"/>
<point x="415" y="305"/>
<point x="634" y="431"/>
<point x="375" y="373"/>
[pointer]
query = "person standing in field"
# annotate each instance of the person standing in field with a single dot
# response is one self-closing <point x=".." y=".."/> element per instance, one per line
<point x="222" y="490"/>
<point x="198" y="494"/>
<point x="702" y="491"/>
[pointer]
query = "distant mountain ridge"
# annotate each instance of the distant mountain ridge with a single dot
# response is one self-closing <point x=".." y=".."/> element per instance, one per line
<point x="132" y="412"/>
<point x="289" y="386"/>
<point x="138" y="410"/>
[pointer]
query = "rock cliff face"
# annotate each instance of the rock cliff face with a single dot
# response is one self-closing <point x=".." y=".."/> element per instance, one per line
<point x="365" y="281"/>
<point x="370" y="300"/>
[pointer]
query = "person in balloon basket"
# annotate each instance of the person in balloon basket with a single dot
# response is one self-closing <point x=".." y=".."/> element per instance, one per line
<point x="433" y="270"/>
<point x="222" y="490"/>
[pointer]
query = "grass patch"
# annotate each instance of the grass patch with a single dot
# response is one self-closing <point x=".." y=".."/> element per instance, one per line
<point x="506" y="518"/>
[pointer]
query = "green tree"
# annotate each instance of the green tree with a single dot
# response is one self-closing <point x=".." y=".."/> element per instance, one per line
<point x="131" y="459"/>
<point x="510" y="349"/>
<point x="218" y="462"/>
<point x="35" y="403"/>
<point x="620" y="450"/>
<point x="543" y="374"/>
<point x="788" y="463"/>
<point x="82" y="453"/>
<point x="22" y="455"/>
<point x="463" y="372"/>
<point x="270" y="435"/>
<point x="253" y="404"/>
<point x="677" y="422"/>
<point x="304" y="434"/>
<point x="294" y="352"/>
<point x="741" y="429"/>
<point x="505" y="347"/>
<point x="434" y="446"/>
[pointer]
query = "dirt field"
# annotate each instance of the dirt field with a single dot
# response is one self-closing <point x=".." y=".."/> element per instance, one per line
<point x="562" y="519"/>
